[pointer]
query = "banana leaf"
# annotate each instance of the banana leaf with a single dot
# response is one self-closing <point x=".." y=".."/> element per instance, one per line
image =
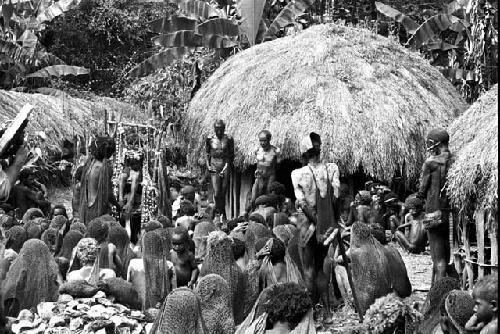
<point x="410" y="25"/>
<point x="251" y="13"/>
<point x="159" y="60"/>
<point x="29" y="40"/>
<point x="57" y="9"/>
<point x="440" y="45"/>
<point x="186" y="38"/>
<point x="171" y="24"/>
<point x="221" y="27"/>
<point x="287" y="16"/>
<point x="459" y="74"/>
<point x="197" y="9"/>
<point x="431" y="27"/>
<point x="7" y="12"/>
<point x="58" y="71"/>
<point x="217" y="42"/>
<point x="456" y="5"/>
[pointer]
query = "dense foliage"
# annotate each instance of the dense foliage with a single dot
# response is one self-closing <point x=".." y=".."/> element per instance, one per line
<point x="106" y="36"/>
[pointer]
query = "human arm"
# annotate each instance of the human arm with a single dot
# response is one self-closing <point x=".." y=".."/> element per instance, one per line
<point x="425" y="181"/>
<point x="208" y="149"/>
<point x="194" y="271"/>
<point x="334" y="175"/>
<point x="121" y="184"/>
<point x="135" y="184"/>
<point x="13" y="171"/>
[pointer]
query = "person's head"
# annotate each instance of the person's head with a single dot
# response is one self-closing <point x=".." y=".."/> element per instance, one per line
<point x="265" y="139"/>
<point x="51" y="238"/>
<point x="414" y="205"/>
<point x="276" y="188"/>
<point x="437" y="141"/>
<point x="151" y="226"/>
<point x="26" y="177"/>
<point x="438" y="292"/>
<point x="80" y="227"/>
<point x="458" y="309"/>
<point x="368" y="185"/>
<point x="175" y="188"/>
<point x="63" y="265"/>
<point x="16" y="237"/>
<point x="31" y="214"/>
<point x="180" y="238"/>
<point x="7" y="222"/>
<point x="59" y="210"/>
<point x="310" y="147"/>
<point x="287" y="303"/>
<point x="59" y="222"/>
<point x="278" y="251"/>
<point x="485" y="294"/>
<point x="365" y="197"/>
<point x="102" y="148"/>
<point x="87" y="250"/>
<point x="239" y="248"/>
<point x="219" y="128"/>
<point x="165" y="221"/>
<point x="188" y="193"/>
<point x="391" y="201"/>
<point x="257" y="218"/>
<point x="98" y="230"/>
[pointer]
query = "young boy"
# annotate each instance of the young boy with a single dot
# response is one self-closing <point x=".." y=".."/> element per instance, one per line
<point x="184" y="262"/>
<point x="485" y="294"/>
<point x="414" y="237"/>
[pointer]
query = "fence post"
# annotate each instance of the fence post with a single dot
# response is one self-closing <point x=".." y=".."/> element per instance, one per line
<point x="479" y="217"/>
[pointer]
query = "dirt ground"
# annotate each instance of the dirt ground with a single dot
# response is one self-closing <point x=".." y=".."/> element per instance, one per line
<point x="418" y="267"/>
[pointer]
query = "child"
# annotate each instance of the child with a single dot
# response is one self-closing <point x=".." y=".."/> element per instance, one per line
<point x="414" y="238"/>
<point x="485" y="294"/>
<point x="186" y="269"/>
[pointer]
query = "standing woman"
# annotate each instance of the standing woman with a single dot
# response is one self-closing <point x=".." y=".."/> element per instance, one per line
<point x="32" y="279"/>
<point x="96" y="190"/>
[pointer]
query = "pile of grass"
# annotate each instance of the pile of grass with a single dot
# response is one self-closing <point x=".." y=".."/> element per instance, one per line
<point x="473" y="178"/>
<point x="371" y="100"/>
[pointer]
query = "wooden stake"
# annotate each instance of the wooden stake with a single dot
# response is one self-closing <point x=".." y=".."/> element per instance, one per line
<point x="468" y="266"/>
<point x="479" y="216"/>
<point x="494" y="246"/>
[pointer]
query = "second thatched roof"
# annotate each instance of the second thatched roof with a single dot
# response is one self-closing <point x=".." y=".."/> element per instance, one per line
<point x="371" y="100"/>
<point x="61" y="117"/>
<point x="473" y="178"/>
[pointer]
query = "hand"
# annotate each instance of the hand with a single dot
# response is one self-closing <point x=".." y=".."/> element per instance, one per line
<point x="190" y="284"/>
<point x="127" y="208"/>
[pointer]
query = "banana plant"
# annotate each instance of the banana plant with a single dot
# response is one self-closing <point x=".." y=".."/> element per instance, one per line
<point x="465" y="27"/>
<point x="23" y="55"/>
<point x="219" y="25"/>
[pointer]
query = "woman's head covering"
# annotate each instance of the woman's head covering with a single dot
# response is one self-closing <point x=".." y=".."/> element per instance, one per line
<point x="70" y="241"/>
<point x="285" y="232"/>
<point x="31" y="214"/>
<point x="58" y="222"/>
<point x="180" y="314"/>
<point x="459" y="306"/>
<point x="255" y="231"/>
<point x="87" y="250"/>
<point x="33" y="230"/>
<point x="51" y="238"/>
<point x="220" y="260"/>
<point x="7" y="221"/>
<point x="16" y="237"/>
<point x="155" y="255"/>
<point x="97" y="229"/>
<point x="80" y="227"/>
<point x="32" y="278"/>
<point x="215" y="298"/>
<point x="43" y="222"/>
<point x="200" y="237"/>
<point x="152" y="225"/>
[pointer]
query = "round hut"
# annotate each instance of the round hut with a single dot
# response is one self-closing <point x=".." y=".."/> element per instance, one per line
<point x="370" y="99"/>
<point x="473" y="182"/>
<point x="61" y="116"/>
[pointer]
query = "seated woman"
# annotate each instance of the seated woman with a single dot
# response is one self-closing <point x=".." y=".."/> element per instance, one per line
<point x="412" y="235"/>
<point x="32" y="279"/>
<point x="283" y="308"/>
<point x="86" y="253"/>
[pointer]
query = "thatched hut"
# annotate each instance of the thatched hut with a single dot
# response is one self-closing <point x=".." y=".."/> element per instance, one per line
<point x="473" y="178"/>
<point x="371" y="100"/>
<point x="61" y="117"/>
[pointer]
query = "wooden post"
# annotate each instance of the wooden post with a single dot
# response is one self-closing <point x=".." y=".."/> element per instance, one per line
<point x="105" y="121"/>
<point x="479" y="217"/>
<point x="494" y="245"/>
<point x="468" y="266"/>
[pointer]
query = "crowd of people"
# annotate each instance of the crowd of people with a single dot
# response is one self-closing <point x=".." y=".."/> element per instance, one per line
<point x="281" y="267"/>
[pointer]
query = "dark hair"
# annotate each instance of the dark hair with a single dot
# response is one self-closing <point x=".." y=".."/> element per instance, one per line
<point x="288" y="302"/>
<point x="278" y="188"/>
<point x="239" y="248"/>
<point x="103" y="148"/>
<point x="186" y="209"/>
<point x="267" y="133"/>
<point x="180" y="230"/>
<point x="231" y="224"/>
<point x="164" y="221"/>
<point x="486" y="288"/>
<point x="60" y="207"/>
<point x="24" y="174"/>
<point x="97" y="229"/>
<point x="278" y="251"/>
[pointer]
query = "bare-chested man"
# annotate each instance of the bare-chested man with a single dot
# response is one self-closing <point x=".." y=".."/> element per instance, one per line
<point x="220" y="156"/>
<point x="266" y="159"/>
<point x="316" y="188"/>
<point x="411" y="235"/>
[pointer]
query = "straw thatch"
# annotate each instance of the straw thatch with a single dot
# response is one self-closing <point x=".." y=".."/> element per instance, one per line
<point x="473" y="178"/>
<point x="371" y="100"/>
<point x="61" y="117"/>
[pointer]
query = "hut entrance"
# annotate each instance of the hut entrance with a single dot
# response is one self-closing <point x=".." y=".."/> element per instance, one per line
<point x="283" y="173"/>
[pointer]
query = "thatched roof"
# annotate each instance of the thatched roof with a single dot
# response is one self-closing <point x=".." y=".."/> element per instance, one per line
<point x="473" y="178"/>
<point x="371" y="100"/>
<point x="61" y="117"/>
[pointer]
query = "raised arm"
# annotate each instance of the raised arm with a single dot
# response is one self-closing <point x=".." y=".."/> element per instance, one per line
<point x="425" y="181"/>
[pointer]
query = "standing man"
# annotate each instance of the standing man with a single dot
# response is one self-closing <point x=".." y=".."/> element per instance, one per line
<point x="220" y="156"/>
<point x="316" y="188"/>
<point x="266" y="158"/>
<point x="433" y="190"/>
